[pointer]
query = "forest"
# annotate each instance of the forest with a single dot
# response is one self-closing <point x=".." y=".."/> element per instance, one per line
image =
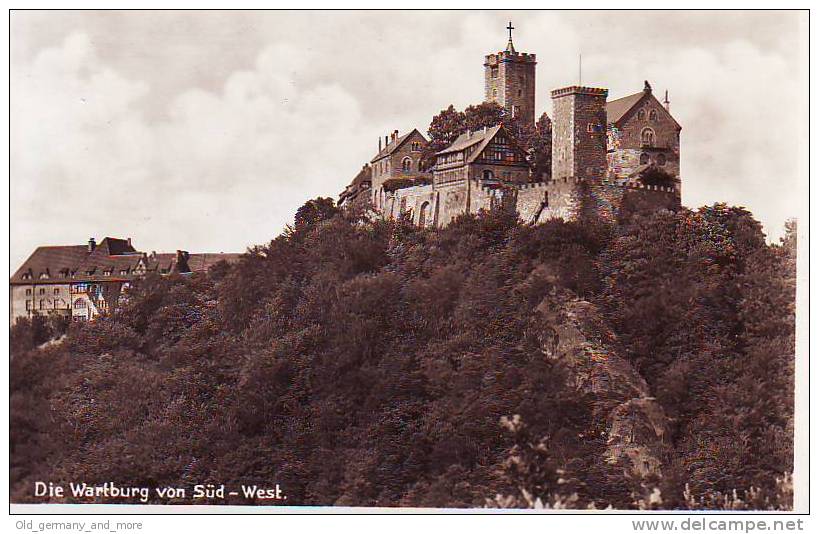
<point x="642" y="364"/>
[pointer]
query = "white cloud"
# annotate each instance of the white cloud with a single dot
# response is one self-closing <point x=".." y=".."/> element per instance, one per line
<point x="210" y="139"/>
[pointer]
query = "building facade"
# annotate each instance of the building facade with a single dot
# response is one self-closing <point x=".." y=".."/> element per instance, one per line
<point x="604" y="153"/>
<point x="509" y="80"/>
<point x="81" y="282"/>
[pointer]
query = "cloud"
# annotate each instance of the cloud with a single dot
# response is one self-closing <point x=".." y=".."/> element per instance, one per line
<point x="212" y="136"/>
<point x="233" y="164"/>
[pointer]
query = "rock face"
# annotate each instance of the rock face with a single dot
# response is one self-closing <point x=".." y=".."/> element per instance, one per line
<point x="576" y="336"/>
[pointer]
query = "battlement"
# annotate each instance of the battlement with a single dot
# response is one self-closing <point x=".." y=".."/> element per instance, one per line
<point x="579" y="90"/>
<point x="507" y="55"/>
<point x="644" y="187"/>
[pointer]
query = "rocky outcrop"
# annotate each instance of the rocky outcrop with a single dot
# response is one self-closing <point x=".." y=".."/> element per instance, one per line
<point x="575" y="334"/>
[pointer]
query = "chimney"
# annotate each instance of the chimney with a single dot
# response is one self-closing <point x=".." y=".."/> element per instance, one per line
<point x="394" y="135"/>
<point x="92" y="244"/>
<point x="386" y="141"/>
<point x="666" y="102"/>
<point x="379" y="143"/>
<point x="182" y="261"/>
<point x="129" y="243"/>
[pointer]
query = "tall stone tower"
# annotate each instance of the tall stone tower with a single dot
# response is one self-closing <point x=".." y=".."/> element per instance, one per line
<point x="579" y="133"/>
<point x="510" y="81"/>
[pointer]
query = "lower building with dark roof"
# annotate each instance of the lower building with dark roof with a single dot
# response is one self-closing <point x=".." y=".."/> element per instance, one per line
<point x="83" y="281"/>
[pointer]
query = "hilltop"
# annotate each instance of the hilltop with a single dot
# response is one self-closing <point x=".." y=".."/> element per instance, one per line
<point x="643" y="364"/>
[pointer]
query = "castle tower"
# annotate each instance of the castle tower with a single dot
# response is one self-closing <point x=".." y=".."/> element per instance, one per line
<point x="579" y="133"/>
<point x="509" y="79"/>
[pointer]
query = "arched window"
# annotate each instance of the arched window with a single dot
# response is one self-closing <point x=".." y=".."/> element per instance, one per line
<point x="641" y="115"/>
<point x="488" y="175"/>
<point x="406" y="164"/>
<point x="652" y="115"/>
<point x="495" y="93"/>
<point x="423" y="216"/>
<point x="79" y="304"/>
<point x="647" y="137"/>
<point x="661" y="159"/>
<point x="644" y="159"/>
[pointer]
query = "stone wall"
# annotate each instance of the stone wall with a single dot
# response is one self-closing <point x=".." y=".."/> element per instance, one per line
<point x="579" y="133"/>
<point x="514" y="85"/>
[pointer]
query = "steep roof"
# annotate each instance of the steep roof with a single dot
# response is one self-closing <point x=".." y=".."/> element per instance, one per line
<point x="616" y="109"/>
<point x="364" y="176"/>
<point x="481" y="138"/>
<point x="395" y="145"/>
<point x="201" y="262"/>
<point x="112" y="260"/>
<point x="467" y="139"/>
<point x="53" y="261"/>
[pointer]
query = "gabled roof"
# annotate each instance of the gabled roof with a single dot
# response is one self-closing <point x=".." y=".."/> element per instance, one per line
<point x="201" y="262"/>
<point x="364" y="177"/>
<point x="116" y="257"/>
<point x="467" y="139"/>
<point x="616" y="110"/>
<point x="53" y="261"/>
<point x="481" y="138"/>
<point x="395" y="145"/>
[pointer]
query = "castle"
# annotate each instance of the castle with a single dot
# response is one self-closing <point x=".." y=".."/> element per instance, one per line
<point x="605" y="154"/>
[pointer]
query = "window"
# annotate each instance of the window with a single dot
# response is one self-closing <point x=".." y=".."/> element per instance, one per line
<point x="42" y="304"/>
<point x="647" y="137"/>
<point x="641" y="115"/>
<point x="494" y="73"/>
<point x="488" y="175"/>
<point x="79" y="304"/>
<point x="28" y="305"/>
<point x="56" y="290"/>
<point x="495" y="93"/>
<point x="42" y="291"/>
<point x="423" y="216"/>
<point x="661" y="159"/>
<point x="28" y="291"/>
<point x="520" y="92"/>
<point x="546" y="199"/>
<point x="652" y="115"/>
<point x="644" y="159"/>
<point x="406" y="164"/>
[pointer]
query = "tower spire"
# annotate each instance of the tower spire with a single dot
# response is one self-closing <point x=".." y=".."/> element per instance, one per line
<point x="509" y="46"/>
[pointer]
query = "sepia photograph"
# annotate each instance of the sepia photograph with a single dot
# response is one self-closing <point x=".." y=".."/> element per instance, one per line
<point x="430" y="261"/>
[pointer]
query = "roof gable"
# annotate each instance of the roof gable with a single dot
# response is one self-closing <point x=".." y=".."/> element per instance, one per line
<point x="55" y="261"/>
<point x="395" y="145"/>
<point x="619" y="110"/>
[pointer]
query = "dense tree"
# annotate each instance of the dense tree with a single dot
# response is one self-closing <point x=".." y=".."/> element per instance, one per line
<point x="362" y="362"/>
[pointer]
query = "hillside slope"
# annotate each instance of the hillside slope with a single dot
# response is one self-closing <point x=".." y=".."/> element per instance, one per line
<point x="485" y="364"/>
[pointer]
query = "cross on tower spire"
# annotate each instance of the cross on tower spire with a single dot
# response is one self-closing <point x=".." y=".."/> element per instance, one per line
<point x="509" y="46"/>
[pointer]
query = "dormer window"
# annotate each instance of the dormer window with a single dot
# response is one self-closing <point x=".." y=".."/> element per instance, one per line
<point x="26" y="276"/>
<point x="44" y="276"/>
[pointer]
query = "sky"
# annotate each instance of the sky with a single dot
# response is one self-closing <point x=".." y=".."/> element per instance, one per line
<point x="206" y="130"/>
